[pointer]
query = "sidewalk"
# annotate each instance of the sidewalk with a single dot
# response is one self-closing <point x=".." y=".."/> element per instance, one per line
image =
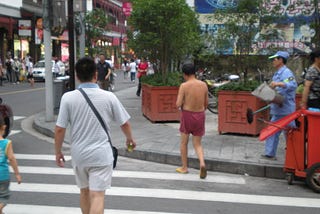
<point x="160" y="142"/>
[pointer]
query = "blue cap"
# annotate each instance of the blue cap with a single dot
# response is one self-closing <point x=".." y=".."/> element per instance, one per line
<point x="283" y="54"/>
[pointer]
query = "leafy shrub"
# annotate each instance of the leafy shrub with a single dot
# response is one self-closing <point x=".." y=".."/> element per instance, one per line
<point x="239" y="86"/>
<point x="158" y="79"/>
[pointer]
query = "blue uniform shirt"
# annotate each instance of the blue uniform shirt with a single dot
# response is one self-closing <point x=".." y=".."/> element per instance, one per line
<point x="285" y="75"/>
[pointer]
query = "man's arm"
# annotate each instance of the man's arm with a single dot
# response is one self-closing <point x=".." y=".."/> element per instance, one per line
<point x="126" y="129"/>
<point x="59" y="134"/>
<point x="108" y="72"/>
<point x="180" y="97"/>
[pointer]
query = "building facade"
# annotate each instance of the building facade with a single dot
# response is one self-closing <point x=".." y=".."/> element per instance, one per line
<point x="21" y="30"/>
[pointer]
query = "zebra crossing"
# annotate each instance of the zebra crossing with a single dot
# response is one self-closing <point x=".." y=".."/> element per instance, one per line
<point x="47" y="188"/>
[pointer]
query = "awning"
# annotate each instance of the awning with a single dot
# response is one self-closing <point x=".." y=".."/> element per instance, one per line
<point x="6" y="10"/>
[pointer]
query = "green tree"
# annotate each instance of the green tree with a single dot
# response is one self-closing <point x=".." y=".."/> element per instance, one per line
<point x="163" y="30"/>
<point x="95" y="25"/>
<point x="240" y="25"/>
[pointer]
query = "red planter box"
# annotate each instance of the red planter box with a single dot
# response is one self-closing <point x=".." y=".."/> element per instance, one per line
<point x="159" y="103"/>
<point x="232" y="117"/>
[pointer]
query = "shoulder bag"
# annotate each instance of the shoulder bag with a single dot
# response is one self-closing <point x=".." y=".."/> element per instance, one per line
<point x="114" y="149"/>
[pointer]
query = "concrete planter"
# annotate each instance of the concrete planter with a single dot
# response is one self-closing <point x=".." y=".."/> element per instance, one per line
<point x="159" y="103"/>
<point x="232" y="117"/>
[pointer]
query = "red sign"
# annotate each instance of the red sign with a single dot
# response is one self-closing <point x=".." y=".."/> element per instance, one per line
<point x="127" y="8"/>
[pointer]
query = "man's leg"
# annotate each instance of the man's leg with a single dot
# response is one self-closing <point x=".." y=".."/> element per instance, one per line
<point x="184" y="151"/>
<point x="196" y="140"/>
<point x="84" y="200"/>
<point x="272" y="142"/>
<point x="139" y="88"/>
<point x="1" y="207"/>
<point x="97" y="202"/>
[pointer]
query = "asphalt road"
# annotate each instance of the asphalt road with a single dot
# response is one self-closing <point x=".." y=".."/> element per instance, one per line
<point x="138" y="186"/>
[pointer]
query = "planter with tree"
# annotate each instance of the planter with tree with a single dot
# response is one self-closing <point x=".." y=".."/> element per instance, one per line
<point x="164" y="32"/>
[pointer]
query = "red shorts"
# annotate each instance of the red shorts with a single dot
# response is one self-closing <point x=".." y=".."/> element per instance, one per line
<point x="192" y="123"/>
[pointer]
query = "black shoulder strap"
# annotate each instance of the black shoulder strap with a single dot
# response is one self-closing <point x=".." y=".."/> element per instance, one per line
<point x="96" y="113"/>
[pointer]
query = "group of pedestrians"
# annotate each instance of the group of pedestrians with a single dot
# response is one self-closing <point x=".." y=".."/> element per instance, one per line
<point x="136" y="69"/>
<point x="14" y="70"/>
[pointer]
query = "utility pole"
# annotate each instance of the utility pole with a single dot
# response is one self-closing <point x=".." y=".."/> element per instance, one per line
<point x="71" y="44"/>
<point x="47" y="57"/>
<point x="82" y="36"/>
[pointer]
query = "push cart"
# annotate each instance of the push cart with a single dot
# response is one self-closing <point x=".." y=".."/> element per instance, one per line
<point x="303" y="146"/>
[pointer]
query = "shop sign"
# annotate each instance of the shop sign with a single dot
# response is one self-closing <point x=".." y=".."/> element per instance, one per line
<point x="127" y="8"/>
<point x="24" y="27"/>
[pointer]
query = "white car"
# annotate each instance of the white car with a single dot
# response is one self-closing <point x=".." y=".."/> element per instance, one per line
<point x="39" y="69"/>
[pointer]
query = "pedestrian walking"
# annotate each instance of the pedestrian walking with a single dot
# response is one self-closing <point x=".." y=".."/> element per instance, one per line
<point x="142" y="71"/>
<point x="16" y="68"/>
<point x="9" y="67"/>
<point x="193" y="104"/>
<point x="133" y="70"/>
<point x="92" y="157"/>
<point x="6" y="157"/>
<point x="125" y="68"/>
<point x="311" y="89"/>
<point x="56" y="68"/>
<point x="30" y="73"/>
<point x="104" y="73"/>
<point x="284" y="82"/>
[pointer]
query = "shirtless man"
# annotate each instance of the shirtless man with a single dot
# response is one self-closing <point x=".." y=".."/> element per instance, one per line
<point x="192" y="100"/>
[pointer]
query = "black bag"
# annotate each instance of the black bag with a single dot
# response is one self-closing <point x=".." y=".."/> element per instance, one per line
<point x="114" y="149"/>
<point x="115" y="156"/>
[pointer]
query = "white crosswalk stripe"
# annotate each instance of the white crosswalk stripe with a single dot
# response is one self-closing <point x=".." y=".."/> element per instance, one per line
<point x="18" y="117"/>
<point x="176" y="194"/>
<point x="31" y="209"/>
<point x="13" y="132"/>
<point x="137" y="192"/>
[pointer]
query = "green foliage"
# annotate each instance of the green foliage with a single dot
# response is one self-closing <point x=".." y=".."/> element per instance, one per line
<point x="157" y="79"/>
<point x="95" y="22"/>
<point x="239" y="86"/>
<point x="163" y="30"/>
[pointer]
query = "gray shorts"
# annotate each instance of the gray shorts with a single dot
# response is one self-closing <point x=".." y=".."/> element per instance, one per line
<point x="4" y="192"/>
<point x="94" y="178"/>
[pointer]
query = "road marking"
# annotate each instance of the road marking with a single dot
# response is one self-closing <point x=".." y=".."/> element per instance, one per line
<point x="38" y="209"/>
<point x="18" y="117"/>
<point x="136" y="174"/>
<point x="176" y="194"/>
<point x="22" y="91"/>
<point x="39" y="157"/>
<point x="13" y="132"/>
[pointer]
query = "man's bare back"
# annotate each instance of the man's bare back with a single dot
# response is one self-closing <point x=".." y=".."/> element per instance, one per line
<point x="193" y="95"/>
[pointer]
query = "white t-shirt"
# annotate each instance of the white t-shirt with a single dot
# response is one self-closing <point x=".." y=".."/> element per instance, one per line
<point x="133" y="66"/>
<point x="89" y="141"/>
<point x="30" y="68"/>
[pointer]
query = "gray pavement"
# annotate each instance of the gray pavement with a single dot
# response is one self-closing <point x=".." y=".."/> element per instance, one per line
<point x="160" y="142"/>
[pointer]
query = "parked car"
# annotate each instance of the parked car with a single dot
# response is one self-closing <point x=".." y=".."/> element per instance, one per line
<point x="39" y="70"/>
<point x="6" y="113"/>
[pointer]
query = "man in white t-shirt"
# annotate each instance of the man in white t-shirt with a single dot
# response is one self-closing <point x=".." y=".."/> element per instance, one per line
<point x="92" y="157"/>
<point x="133" y="70"/>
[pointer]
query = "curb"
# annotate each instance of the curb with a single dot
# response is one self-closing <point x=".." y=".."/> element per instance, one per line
<point x="247" y="169"/>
